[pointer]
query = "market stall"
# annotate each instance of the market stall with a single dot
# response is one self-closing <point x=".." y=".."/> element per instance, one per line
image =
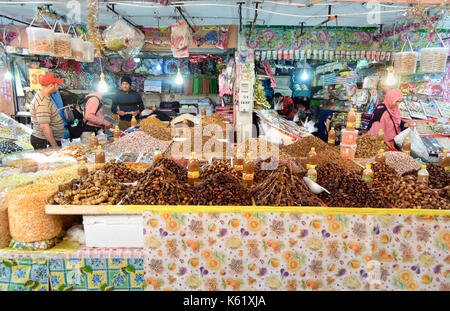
<point x="181" y="200"/>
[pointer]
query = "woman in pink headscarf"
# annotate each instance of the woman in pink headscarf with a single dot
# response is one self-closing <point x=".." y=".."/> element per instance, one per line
<point x="387" y="117"/>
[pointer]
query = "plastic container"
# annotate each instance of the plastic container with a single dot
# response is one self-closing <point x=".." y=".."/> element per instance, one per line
<point x="62" y="46"/>
<point x="380" y="157"/>
<point x="406" y="146"/>
<point x="311" y="158"/>
<point x="351" y="118"/>
<point x="193" y="170"/>
<point x="433" y="59"/>
<point x="405" y="62"/>
<point x="77" y="49"/>
<point x="444" y="161"/>
<point x="349" y="137"/>
<point x="331" y="137"/>
<point x="348" y="151"/>
<point x="423" y="176"/>
<point x="83" y="170"/>
<point x="312" y="173"/>
<point x="367" y="175"/>
<point x="40" y="41"/>
<point x="114" y="231"/>
<point x="157" y="155"/>
<point x="238" y="161"/>
<point x="89" y="52"/>
<point x="380" y="136"/>
<point x="248" y="174"/>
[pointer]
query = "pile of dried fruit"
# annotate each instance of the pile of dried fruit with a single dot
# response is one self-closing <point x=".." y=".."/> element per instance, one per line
<point x="157" y="132"/>
<point x="152" y="120"/>
<point x="368" y="146"/>
<point x="445" y="193"/>
<point x="219" y="166"/>
<point x="283" y="188"/>
<point x="411" y="194"/>
<point x="258" y="148"/>
<point x="121" y="172"/>
<point x="439" y="178"/>
<point x="302" y="146"/>
<point x="170" y="165"/>
<point x="94" y="189"/>
<point x="347" y="189"/>
<point x="221" y="189"/>
<point x="159" y="187"/>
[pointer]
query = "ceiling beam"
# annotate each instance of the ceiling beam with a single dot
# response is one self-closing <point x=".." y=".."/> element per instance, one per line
<point x="185" y="19"/>
<point x="112" y="9"/>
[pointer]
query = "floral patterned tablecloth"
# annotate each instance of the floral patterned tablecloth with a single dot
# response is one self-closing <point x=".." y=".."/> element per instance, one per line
<point x="274" y="251"/>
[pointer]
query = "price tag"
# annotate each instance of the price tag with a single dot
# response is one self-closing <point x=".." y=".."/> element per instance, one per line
<point x="34" y="78"/>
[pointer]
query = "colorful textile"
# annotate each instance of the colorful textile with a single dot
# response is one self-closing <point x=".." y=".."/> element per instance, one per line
<point x="23" y="274"/>
<point x="35" y="246"/>
<point x="94" y="274"/>
<point x="272" y="251"/>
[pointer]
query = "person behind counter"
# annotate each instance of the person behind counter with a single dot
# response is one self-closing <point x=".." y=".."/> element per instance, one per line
<point x="93" y="116"/>
<point x="387" y="117"/>
<point x="323" y="125"/>
<point x="48" y="126"/>
<point x="127" y="103"/>
<point x="288" y="106"/>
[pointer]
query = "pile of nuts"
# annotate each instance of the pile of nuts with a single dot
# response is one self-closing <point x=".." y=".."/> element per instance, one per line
<point x="368" y="146"/>
<point x="156" y="131"/>
<point x="171" y="166"/>
<point x="282" y="187"/>
<point x="328" y="155"/>
<point x="159" y="187"/>
<point x="401" y="162"/>
<point x="153" y="121"/>
<point x="221" y="189"/>
<point x="97" y="188"/>
<point x="302" y="146"/>
<point x="121" y="172"/>
<point x="74" y="151"/>
<point x="219" y="166"/>
<point x="411" y="194"/>
<point x="136" y="141"/>
<point x="7" y="147"/>
<point x="347" y="189"/>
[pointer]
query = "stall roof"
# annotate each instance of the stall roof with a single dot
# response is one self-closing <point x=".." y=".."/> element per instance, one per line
<point x="222" y="12"/>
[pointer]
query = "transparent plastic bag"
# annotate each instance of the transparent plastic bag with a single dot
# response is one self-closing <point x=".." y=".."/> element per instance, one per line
<point x="418" y="148"/>
<point x="180" y="39"/>
<point x="123" y="38"/>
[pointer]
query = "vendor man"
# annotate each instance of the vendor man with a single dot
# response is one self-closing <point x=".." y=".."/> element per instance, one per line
<point x="48" y="126"/>
<point x="288" y="105"/>
<point x="127" y="103"/>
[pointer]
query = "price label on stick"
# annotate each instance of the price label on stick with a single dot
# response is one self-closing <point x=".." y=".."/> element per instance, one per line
<point x="35" y="74"/>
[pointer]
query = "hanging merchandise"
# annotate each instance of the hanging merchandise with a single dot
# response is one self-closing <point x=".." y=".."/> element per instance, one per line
<point x="405" y="62"/>
<point x="62" y="43"/>
<point x="94" y="35"/>
<point x="124" y="39"/>
<point x="222" y="39"/>
<point x="40" y="40"/>
<point x="180" y="39"/>
<point x="434" y="59"/>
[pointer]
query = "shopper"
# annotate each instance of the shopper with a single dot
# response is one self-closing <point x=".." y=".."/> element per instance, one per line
<point x="127" y="103"/>
<point x="387" y="117"/>
<point x="93" y="115"/>
<point x="302" y="107"/>
<point x="48" y="126"/>
<point x="288" y="106"/>
<point x="323" y="125"/>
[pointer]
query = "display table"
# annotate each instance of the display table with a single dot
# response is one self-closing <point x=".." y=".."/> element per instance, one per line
<point x="71" y="268"/>
<point x="292" y="248"/>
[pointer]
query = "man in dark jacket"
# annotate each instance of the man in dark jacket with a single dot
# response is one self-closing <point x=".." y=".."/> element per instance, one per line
<point x="126" y="104"/>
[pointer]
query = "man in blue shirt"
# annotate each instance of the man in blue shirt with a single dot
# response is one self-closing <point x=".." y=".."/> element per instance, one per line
<point x="127" y="103"/>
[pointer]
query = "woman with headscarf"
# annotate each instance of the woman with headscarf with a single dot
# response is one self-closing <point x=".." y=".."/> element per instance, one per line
<point x="323" y="125"/>
<point x="387" y="117"/>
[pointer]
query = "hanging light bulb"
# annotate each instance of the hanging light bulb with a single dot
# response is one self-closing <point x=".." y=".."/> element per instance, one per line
<point x="8" y="76"/>
<point x="179" y="78"/>
<point x="137" y="60"/>
<point x="391" y="79"/>
<point x="102" y="86"/>
<point x="305" y="75"/>
<point x="158" y="67"/>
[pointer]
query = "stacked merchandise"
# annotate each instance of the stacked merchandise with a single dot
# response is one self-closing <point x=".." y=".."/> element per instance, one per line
<point x="349" y="136"/>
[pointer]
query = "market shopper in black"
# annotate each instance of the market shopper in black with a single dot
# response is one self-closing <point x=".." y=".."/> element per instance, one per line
<point x="127" y="103"/>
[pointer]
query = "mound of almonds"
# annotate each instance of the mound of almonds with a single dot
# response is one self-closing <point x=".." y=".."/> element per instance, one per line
<point x="368" y="146"/>
<point x="97" y="188"/>
<point x="283" y="187"/>
<point x="121" y="172"/>
<point x="347" y="189"/>
<point x="401" y="162"/>
<point x="159" y="187"/>
<point x="221" y="189"/>
<point x="156" y="131"/>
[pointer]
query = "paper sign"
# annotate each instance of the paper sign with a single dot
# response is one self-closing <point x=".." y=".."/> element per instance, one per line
<point x="34" y="78"/>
